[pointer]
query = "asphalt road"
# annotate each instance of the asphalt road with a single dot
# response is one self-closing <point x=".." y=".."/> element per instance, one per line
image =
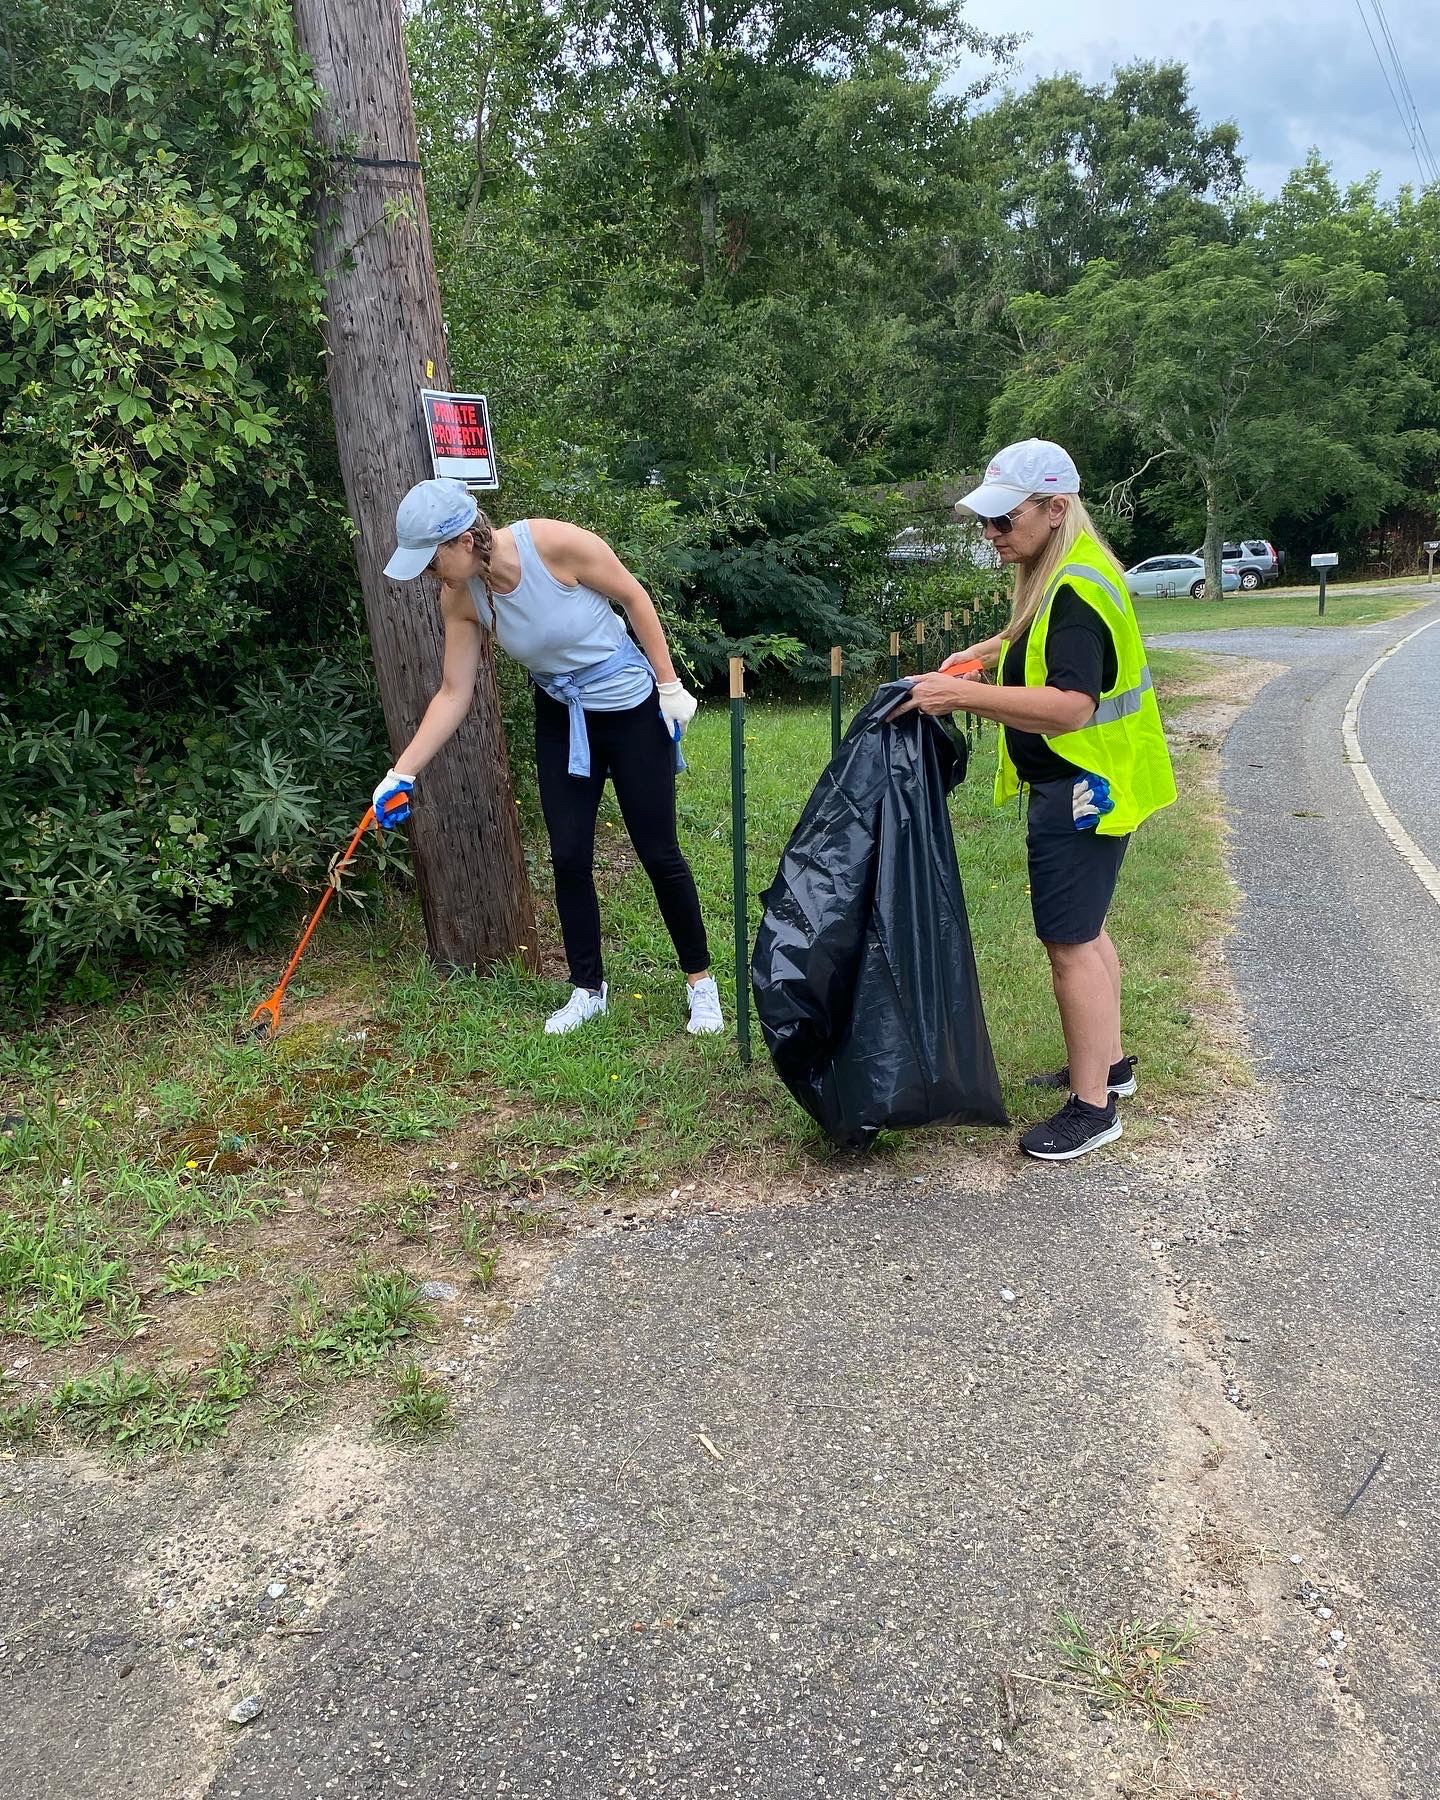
<point x="1338" y="958"/>
<point x="784" y="1500"/>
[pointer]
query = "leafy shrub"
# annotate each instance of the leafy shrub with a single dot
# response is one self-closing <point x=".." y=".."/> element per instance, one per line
<point x="126" y="834"/>
<point x="177" y="745"/>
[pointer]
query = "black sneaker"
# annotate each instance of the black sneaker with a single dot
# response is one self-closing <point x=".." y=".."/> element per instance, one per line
<point x="1122" y="1078"/>
<point x="1076" y="1128"/>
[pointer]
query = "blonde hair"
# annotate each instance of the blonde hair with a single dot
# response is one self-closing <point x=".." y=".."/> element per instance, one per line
<point x="1032" y="578"/>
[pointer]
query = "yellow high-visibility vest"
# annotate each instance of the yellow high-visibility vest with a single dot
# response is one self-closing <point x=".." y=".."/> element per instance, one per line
<point x="1124" y="741"/>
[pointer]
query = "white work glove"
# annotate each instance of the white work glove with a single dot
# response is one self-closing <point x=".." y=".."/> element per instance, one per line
<point x="392" y="799"/>
<point x="677" y="707"/>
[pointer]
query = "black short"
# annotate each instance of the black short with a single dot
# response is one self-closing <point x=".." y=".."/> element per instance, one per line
<point x="1072" y="873"/>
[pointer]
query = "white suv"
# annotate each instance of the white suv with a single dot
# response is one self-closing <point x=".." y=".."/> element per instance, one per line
<point x="1254" y="560"/>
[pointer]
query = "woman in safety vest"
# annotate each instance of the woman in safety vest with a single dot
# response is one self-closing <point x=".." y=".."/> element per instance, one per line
<point x="1079" y="726"/>
<point x="545" y="592"/>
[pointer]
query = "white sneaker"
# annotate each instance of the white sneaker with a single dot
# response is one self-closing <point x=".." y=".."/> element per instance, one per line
<point x="581" y="1005"/>
<point x="705" y="1007"/>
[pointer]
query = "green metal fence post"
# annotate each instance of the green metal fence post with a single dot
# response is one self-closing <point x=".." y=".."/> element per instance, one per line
<point x="894" y="655"/>
<point x="837" y="671"/>
<point x="737" y="840"/>
<point x="945" y="638"/>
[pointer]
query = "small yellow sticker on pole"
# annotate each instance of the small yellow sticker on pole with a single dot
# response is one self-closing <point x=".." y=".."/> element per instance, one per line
<point x="429" y="370"/>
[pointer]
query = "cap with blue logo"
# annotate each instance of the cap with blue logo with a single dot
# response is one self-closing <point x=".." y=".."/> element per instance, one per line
<point x="431" y="514"/>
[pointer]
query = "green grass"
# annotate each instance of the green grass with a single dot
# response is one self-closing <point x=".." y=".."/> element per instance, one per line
<point x="167" y="1181"/>
<point x="1237" y="612"/>
<point x="419" y="1406"/>
<point x="1129" y="1665"/>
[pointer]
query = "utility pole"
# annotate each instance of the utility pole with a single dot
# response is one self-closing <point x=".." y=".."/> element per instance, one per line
<point x="386" y="339"/>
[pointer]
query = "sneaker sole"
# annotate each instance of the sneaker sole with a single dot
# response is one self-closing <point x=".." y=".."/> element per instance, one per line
<point x="705" y="1030"/>
<point x="1094" y="1143"/>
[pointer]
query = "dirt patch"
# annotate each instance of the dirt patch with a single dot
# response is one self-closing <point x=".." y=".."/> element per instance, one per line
<point x="1217" y="698"/>
<point x="245" y="1589"/>
<point x="1247" y="1560"/>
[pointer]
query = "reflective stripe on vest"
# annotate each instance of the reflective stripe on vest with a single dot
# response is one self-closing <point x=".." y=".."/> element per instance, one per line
<point x="1123" y="740"/>
<point x="1087" y="574"/>
<point x="1120" y="706"/>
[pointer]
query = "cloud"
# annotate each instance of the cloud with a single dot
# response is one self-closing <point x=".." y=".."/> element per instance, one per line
<point x="1289" y="76"/>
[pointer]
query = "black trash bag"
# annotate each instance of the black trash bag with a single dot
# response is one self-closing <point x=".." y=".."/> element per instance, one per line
<point x="864" y="973"/>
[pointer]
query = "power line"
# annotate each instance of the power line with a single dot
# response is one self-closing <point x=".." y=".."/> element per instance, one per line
<point x="1404" y="79"/>
<point x="1410" y="122"/>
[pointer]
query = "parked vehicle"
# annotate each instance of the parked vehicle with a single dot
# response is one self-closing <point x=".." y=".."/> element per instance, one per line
<point x="1166" y="576"/>
<point x="1256" y="561"/>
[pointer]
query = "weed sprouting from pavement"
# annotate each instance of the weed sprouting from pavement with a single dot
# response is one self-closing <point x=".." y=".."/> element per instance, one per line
<point x="1130" y="1664"/>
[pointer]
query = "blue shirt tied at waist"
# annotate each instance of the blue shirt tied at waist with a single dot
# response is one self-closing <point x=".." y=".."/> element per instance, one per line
<point x="569" y="691"/>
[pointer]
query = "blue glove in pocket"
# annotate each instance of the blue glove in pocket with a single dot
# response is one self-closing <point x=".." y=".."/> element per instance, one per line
<point x="1090" y="800"/>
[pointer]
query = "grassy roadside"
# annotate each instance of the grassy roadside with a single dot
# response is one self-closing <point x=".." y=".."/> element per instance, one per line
<point x="199" y="1228"/>
<point x="1237" y="612"/>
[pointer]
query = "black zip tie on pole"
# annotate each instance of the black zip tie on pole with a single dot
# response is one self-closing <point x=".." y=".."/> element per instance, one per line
<point x="376" y="162"/>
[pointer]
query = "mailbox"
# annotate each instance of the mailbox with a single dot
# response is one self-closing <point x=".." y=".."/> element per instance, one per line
<point x="1324" y="559"/>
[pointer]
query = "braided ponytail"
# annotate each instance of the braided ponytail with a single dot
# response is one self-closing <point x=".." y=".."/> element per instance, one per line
<point x="484" y="534"/>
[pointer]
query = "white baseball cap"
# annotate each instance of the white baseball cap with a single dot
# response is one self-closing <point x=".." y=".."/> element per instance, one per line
<point x="1035" y="466"/>
<point x="431" y="514"/>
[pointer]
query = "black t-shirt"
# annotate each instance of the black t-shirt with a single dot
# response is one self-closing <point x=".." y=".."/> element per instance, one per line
<point x="1080" y="658"/>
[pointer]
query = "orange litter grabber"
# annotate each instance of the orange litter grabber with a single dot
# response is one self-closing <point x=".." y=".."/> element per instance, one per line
<point x="972" y="666"/>
<point x="265" y="1020"/>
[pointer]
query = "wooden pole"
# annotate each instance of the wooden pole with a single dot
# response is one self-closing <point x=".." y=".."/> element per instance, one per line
<point x="385" y="339"/>
<point x="737" y="844"/>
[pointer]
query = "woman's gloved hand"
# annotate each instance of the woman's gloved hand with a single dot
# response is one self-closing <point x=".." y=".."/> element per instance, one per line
<point x="392" y="799"/>
<point x="677" y="707"/>
<point x="1089" y="799"/>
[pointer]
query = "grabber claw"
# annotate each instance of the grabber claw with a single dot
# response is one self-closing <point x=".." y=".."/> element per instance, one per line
<point x="264" y="1022"/>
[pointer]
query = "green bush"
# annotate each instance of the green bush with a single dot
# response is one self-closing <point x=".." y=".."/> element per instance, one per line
<point x="126" y="834"/>
<point x="187" y="730"/>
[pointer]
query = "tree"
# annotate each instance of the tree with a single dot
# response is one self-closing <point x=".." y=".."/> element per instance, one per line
<point x="1238" y="378"/>
<point x="1116" y="170"/>
<point x="386" y="340"/>
<point x="719" y="77"/>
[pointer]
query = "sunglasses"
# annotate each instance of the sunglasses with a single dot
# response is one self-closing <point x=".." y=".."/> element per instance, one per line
<point x="1003" y="521"/>
<point x="433" y="566"/>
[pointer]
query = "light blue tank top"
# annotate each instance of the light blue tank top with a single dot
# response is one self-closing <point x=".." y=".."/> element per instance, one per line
<point x="552" y="629"/>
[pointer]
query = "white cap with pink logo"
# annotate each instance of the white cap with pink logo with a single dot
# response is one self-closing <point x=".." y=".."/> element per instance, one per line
<point x="1035" y="466"/>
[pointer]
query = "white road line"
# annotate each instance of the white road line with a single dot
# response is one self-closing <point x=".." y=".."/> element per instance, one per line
<point x="1370" y="788"/>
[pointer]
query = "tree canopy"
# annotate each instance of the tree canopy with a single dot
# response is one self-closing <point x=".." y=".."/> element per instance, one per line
<point x="740" y="282"/>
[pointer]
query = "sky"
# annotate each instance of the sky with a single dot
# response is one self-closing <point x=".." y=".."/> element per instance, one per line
<point x="1289" y="74"/>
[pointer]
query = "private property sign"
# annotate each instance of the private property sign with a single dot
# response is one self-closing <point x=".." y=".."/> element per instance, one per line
<point x="458" y="426"/>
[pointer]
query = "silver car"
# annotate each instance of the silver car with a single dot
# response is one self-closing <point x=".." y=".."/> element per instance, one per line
<point x="1256" y="561"/>
<point x="1164" y="577"/>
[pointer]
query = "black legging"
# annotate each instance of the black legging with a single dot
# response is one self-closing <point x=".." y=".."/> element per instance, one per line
<point x="632" y="748"/>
